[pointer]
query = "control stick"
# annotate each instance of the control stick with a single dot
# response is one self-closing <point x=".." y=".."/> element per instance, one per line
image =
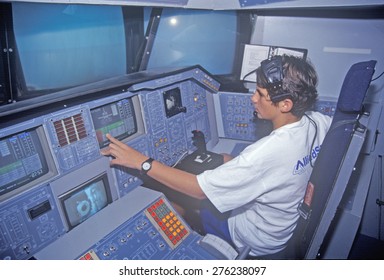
<point x="198" y="140"/>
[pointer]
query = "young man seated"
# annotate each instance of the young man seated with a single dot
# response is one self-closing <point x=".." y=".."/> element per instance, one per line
<point x="263" y="186"/>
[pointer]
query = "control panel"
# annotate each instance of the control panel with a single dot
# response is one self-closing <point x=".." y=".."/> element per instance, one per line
<point x="236" y="116"/>
<point x="54" y="180"/>
<point x="235" y="119"/>
<point x="56" y="188"/>
<point x="72" y="138"/>
<point x="29" y="223"/>
<point x="173" y="110"/>
<point x="126" y="180"/>
<point x="148" y="229"/>
<point x="157" y="232"/>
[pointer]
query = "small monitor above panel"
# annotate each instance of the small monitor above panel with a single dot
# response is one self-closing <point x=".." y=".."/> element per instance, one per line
<point x="172" y="102"/>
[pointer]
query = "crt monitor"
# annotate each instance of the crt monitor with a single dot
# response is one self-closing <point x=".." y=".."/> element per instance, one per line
<point x="85" y="200"/>
<point x="117" y="118"/>
<point x="26" y="161"/>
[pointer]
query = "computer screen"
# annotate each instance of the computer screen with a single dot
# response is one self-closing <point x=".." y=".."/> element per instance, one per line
<point x="117" y="118"/>
<point x="86" y="200"/>
<point x="25" y="160"/>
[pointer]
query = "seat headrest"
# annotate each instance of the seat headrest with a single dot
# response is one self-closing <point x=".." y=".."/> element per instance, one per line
<point x="357" y="79"/>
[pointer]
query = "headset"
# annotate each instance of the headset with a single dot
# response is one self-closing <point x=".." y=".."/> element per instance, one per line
<point x="272" y="70"/>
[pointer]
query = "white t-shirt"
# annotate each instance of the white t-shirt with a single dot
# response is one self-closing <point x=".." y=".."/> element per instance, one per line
<point x="264" y="185"/>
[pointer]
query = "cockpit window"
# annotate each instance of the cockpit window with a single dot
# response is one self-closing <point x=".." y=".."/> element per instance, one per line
<point x="61" y="46"/>
<point x="189" y="37"/>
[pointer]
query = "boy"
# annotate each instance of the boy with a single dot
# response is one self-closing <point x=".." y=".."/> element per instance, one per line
<point x="263" y="186"/>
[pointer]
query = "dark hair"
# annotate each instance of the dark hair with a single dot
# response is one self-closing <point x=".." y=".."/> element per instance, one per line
<point x="299" y="82"/>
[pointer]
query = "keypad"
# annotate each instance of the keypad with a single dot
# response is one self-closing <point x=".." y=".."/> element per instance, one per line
<point x="170" y="226"/>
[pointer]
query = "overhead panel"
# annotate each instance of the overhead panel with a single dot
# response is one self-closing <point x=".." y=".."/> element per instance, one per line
<point x="174" y="2"/>
<point x="159" y="3"/>
<point x="248" y="3"/>
<point x="260" y="4"/>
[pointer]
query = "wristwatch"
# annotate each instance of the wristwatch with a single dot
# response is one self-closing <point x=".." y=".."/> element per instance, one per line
<point x="146" y="166"/>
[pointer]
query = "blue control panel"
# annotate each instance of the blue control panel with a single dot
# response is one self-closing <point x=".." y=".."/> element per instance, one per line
<point x="48" y="186"/>
<point x="72" y="138"/>
<point x="55" y="185"/>
<point x="29" y="223"/>
<point x="145" y="226"/>
<point x="157" y="232"/>
<point x="236" y="120"/>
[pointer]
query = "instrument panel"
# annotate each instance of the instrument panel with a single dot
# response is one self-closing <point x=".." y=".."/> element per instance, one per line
<point x="53" y="176"/>
<point x="55" y="186"/>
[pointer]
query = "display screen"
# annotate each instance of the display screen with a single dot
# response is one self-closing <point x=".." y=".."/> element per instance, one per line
<point x="117" y="119"/>
<point x="172" y="102"/>
<point x="22" y="160"/>
<point x="86" y="200"/>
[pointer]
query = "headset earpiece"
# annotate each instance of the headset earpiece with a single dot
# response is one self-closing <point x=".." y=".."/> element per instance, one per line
<point x="273" y="71"/>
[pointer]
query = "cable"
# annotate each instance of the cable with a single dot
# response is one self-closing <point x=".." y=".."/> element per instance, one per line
<point x="380" y="163"/>
<point x="253" y="71"/>
<point x="382" y="73"/>
<point x="314" y="138"/>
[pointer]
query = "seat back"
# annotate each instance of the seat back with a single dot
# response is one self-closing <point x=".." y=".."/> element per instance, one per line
<point x="333" y="166"/>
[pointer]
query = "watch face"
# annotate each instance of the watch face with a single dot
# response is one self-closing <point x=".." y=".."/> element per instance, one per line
<point x="146" y="165"/>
